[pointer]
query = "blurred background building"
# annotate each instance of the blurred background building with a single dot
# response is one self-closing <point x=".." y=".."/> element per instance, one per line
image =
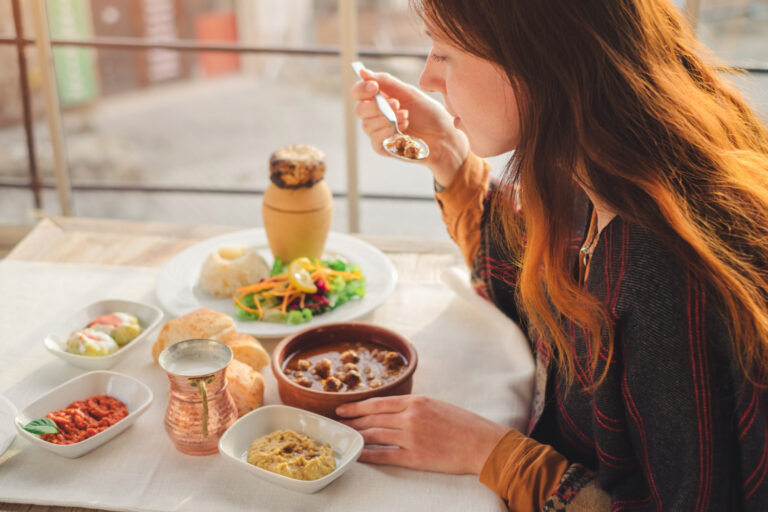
<point x="149" y="132"/>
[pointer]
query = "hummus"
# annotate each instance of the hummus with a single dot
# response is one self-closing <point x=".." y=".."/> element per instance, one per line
<point x="293" y="455"/>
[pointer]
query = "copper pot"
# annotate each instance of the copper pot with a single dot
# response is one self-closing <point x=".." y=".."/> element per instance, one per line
<point x="200" y="408"/>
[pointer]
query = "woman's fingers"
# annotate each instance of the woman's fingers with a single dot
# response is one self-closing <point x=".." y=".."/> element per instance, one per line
<point x="368" y="108"/>
<point x="385" y="420"/>
<point x="364" y="90"/>
<point x="378" y="405"/>
<point x="388" y="85"/>
<point x="382" y="436"/>
<point x="391" y="456"/>
<point x="374" y="124"/>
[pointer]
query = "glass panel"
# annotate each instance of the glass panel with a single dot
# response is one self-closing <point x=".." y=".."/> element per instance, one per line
<point x="754" y="86"/>
<point x="13" y="154"/>
<point x="390" y="25"/>
<point x="205" y="131"/>
<point x="16" y="207"/>
<point x="736" y="30"/>
<point x="6" y="19"/>
<point x="295" y="23"/>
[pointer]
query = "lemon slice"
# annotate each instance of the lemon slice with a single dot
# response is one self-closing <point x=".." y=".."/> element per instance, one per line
<point x="299" y="276"/>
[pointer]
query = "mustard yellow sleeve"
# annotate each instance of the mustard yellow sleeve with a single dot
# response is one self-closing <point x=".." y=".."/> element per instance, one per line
<point x="461" y="204"/>
<point x="523" y="471"/>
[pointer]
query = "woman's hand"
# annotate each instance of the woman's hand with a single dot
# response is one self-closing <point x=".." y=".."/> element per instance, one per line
<point x="422" y="433"/>
<point x="417" y="115"/>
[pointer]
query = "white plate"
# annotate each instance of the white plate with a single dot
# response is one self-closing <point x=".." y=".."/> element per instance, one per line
<point x="7" y="432"/>
<point x="178" y="291"/>
<point x="346" y="442"/>
<point x="56" y="342"/>
<point x="135" y="395"/>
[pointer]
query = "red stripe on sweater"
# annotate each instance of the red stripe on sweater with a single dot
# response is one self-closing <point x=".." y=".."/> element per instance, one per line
<point x="581" y="435"/>
<point x="628" y="461"/>
<point x="618" y="505"/>
<point x="762" y="465"/>
<point x="500" y="264"/>
<point x="581" y="374"/>
<point x="638" y="419"/>
<point x="707" y="380"/>
<point x="600" y="417"/>
<point x="624" y="252"/>
<point x="608" y="259"/>
<point x="701" y="396"/>
<point x="752" y="410"/>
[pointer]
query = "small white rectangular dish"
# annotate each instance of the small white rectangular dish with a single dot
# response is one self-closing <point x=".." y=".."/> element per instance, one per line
<point x="134" y="394"/>
<point x="56" y="342"/>
<point x="7" y="432"/>
<point x="346" y="442"/>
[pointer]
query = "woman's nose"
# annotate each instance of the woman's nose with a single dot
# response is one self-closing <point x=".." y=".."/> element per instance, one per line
<point x="429" y="81"/>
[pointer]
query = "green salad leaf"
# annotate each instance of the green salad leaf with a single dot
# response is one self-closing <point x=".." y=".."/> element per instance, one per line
<point x="332" y="292"/>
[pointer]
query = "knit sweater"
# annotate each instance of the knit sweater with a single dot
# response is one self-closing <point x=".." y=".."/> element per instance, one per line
<point x="674" y="426"/>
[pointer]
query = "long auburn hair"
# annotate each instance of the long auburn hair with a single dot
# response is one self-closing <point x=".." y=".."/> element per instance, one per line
<point x="614" y="95"/>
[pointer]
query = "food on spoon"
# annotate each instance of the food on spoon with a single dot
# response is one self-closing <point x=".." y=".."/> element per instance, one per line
<point x="245" y="383"/>
<point x="294" y="455"/>
<point x="246" y="386"/>
<point x="230" y="267"/>
<point x="90" y="342"/>
<point x="79" y="420"/>
<point x="404" y="145"/>
<point x="122" y="327"/>
<point x="294" y="293"/>
<point x="345" y="366"/>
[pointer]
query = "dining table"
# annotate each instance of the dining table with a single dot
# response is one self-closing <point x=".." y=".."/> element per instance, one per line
<point x="470" y="355"/>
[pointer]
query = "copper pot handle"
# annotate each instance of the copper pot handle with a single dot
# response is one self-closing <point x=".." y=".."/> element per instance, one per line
<point x="201" y="383"/>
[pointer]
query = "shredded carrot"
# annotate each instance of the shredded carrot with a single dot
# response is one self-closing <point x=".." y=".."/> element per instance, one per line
<point x="286" y="300"/>
<point x="278" y="290"/>
<point x="246" y="308"/>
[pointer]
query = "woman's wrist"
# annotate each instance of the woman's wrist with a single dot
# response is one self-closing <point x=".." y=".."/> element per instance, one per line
<point x="487" y="444"/>
<point x="449" y="158"/>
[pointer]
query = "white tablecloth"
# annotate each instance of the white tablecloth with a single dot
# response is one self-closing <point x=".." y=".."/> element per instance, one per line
<point x="467" y="356"/>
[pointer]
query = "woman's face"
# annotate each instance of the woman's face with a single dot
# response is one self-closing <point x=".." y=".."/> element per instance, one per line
<point x="477" y="93"/>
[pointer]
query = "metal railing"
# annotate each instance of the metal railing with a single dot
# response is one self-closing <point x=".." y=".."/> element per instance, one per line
<point x="347" y="52"/>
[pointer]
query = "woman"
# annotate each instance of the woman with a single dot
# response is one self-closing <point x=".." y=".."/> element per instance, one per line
<point x="629" y="236"/>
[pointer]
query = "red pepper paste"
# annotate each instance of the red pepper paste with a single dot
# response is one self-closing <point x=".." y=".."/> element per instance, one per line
<point x="85" y="418"/>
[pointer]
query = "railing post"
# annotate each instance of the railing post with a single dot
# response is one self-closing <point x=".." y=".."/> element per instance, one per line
<point x="26" y="104"/>
<point x="52" y="109"/>
<point x="348" y="18"/>
<point x="691" y="12"/>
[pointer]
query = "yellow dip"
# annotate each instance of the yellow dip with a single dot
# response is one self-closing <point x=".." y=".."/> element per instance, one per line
<point x="293" y="455"/>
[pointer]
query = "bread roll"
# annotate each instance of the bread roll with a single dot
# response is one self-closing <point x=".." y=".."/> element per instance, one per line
<point x="202" y="323"/>
<point x="248" y="350"/>
<point x="246" y="386"/>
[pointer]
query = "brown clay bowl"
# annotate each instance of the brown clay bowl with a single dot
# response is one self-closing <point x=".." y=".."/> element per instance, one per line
<point x="325" y="402"/>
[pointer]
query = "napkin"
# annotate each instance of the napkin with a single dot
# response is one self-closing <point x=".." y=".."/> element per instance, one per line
<point x="513" y="341"/>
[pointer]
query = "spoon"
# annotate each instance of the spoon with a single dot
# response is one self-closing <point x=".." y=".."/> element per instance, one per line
<point x="402" y="146"/>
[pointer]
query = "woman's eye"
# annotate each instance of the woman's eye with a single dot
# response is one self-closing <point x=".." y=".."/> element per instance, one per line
<point x="437" y="58"/>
